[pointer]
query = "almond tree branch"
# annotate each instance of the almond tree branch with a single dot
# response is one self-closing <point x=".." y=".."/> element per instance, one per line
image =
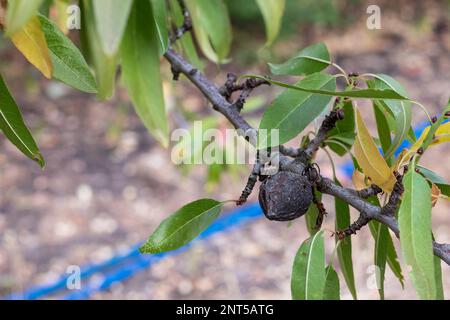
<point x="220" y="102"/>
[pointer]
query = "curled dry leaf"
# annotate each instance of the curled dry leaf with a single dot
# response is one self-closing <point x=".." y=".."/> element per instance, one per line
<point x="30" y="40"/>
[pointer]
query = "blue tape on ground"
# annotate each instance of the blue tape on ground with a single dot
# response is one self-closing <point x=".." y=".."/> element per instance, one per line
<point x="126" y="265"/>
<point x="348" y="168"/>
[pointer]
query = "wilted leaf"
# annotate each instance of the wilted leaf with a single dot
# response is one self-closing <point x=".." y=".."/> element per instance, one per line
<point x="308" y="273"/>
<point x="311" y="216"/>
<point x="310" y="60"/>
<point x="272" y="12"/>
<point x="69" y="65"/>
<point x="292" y="110"/>
<point x="14" y="128"/>
<point x="110" y="20"/>
<point x="187" y="44"/>
<point x="384" y="130"/>
<point x="332" y="288"/>
<point x="182" y="226"/>
<point x="370" y="159"/>
<point x="415" y="233"/>
<point x="438" y="277"/>
<point x="30" y="40"/>
<point x="159" y="16"/>
<point x="212" y="28"/>
<point x="19" y="13"/>
<point x="141" y="74"/>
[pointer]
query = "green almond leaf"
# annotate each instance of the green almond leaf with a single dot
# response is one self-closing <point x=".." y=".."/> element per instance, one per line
<point x="14" y="128"/>
<point x="391" y="253"/>
<point x="141" y="74"/>
<point x="159" y="16"/>
<point x="344" y="249"/>
<point x="440" y="182"/>
<point x="332" y="287"/>
<point x="18" y="14"/>
<point x="312" y="59"/>
<point x="414" y="219"/>
<point x="182" y="226"/>
<point x="212" y="28"/>
<point x="308" y="272"/>
<point x="272" y="12"/>
<point x="401" y="110"/>
<point x="104" y="65"/>
<point x="110" y="20"/>
<point x="187" y="44"/>
<point x="361" y="93"/>
<point x="384" y="131"/>
<point x="344" y="131"/>
<point x="69" y="65"/>
<point x="293" y="110"/>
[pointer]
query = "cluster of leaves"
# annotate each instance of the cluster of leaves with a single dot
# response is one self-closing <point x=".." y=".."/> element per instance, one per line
<point x="132" y="35"/>
<point x="375" y="163"/>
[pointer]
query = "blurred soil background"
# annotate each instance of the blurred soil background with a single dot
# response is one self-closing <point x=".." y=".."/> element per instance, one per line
<point x="107" y="184"/>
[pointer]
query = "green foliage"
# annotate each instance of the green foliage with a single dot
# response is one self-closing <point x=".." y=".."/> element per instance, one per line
<point x="332" y="290"/>
<point x="104" y="64"/>
<point x="183" y="226"/>
<point x="312" y="59"/>
<point x="308" y="272"/>
<point x="433" y="177"/>
<point x="400" y="112"/>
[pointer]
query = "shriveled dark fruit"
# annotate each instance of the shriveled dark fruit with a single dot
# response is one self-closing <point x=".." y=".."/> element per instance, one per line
<point x="285" y="196"/>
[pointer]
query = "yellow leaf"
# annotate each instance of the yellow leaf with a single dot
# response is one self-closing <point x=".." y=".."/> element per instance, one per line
<point x="30" y="40"/>
<point x="359" y="180"/>
<point x="369" y="158"/>
<point x="435" y="193"/>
